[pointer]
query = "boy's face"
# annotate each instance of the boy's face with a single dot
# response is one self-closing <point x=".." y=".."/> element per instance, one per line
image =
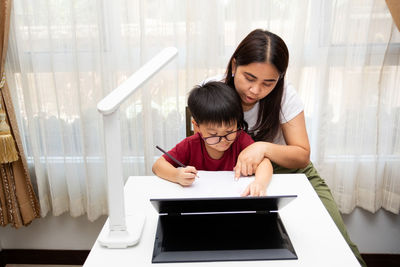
<point x="218" y="137"/>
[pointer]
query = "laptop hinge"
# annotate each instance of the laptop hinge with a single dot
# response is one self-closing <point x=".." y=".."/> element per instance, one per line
<point x="262" y="211"/>
<point x="174" y="214"/>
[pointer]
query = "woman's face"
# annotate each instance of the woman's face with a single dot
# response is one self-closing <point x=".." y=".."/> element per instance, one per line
<point x="254" y="82"/>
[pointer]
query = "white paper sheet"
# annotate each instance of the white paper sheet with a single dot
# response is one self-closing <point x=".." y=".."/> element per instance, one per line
<point x="217" y="184"/>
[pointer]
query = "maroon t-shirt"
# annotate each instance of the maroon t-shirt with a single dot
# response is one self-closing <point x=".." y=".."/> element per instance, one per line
<point x="192" y="152"/>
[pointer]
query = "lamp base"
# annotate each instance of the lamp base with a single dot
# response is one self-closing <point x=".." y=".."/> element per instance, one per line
<point x="123" y="238"/>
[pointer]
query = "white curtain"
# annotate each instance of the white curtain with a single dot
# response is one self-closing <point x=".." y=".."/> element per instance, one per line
<point x="64" y="56"/>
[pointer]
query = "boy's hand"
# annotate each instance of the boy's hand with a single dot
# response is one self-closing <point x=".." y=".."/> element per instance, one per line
<point x="186" y="176"/>
<point x="255" y="189"/>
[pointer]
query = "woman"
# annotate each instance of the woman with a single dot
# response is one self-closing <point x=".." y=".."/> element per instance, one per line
<point x="275" y="116"/>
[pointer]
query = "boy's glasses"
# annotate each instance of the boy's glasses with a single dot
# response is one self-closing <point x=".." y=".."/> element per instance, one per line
<point x="213" y="140"/>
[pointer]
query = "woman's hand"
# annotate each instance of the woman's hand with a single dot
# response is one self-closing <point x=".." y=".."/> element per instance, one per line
<point x="255" y="189"/>
<point x="186" y="176"/>
<point x="249" y="159"/>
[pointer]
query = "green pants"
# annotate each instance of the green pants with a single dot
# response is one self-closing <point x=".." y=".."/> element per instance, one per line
<point x="326" y="197"/>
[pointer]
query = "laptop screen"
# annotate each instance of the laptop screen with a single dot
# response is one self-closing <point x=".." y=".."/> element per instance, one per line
<point x="221" y="229"/>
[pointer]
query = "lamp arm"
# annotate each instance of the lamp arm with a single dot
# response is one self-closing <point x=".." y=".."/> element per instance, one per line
<point x="113" y="100"/>
<point x="117" y="233"/>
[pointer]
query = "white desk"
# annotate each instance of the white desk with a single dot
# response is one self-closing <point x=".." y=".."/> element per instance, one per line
<point x="314" y="236"/>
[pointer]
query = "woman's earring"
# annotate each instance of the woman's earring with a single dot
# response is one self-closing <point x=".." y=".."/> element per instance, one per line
<point x="233" y="74"/>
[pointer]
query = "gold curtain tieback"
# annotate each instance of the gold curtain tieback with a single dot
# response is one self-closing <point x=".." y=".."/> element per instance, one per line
<point x="8" y="151"/>
<point x="3" y="80"/>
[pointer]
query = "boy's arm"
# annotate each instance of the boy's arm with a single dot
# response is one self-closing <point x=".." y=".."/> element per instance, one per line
<point x="183" y="176"/>
<point x="263" y="177"/>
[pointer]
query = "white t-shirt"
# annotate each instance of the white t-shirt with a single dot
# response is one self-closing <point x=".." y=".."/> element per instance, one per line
<point x="291" y="106"/>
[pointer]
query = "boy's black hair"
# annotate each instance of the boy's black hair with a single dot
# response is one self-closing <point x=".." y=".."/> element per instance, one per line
<point x="216" y="103"/>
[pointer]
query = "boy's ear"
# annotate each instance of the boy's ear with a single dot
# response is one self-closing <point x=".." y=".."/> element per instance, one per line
<point x="195" y="126"/>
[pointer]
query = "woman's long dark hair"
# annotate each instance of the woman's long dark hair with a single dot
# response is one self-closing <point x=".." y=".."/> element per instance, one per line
<point x="265" y="47"/>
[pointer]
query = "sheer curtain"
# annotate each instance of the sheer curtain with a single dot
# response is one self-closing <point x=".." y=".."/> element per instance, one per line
<point x="353" y="111"/>
<point x="64" y="56"/>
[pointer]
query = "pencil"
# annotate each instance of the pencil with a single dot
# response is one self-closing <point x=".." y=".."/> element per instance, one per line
<point x="174" y="159"/>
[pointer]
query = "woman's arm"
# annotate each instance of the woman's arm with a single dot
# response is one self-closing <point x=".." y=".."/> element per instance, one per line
<point x="294" y="155"/>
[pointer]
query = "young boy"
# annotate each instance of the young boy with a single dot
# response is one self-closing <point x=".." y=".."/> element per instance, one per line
<point x="217" y="114"/>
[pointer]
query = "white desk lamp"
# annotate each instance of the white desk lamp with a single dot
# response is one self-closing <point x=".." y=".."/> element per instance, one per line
<point x="120" y="231"/>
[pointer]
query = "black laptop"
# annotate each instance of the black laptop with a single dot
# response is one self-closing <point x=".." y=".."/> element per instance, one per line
<point x="221" y="229"/>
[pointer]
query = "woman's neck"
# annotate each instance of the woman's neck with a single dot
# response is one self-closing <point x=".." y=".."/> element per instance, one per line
<point x="248" y="107"/>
